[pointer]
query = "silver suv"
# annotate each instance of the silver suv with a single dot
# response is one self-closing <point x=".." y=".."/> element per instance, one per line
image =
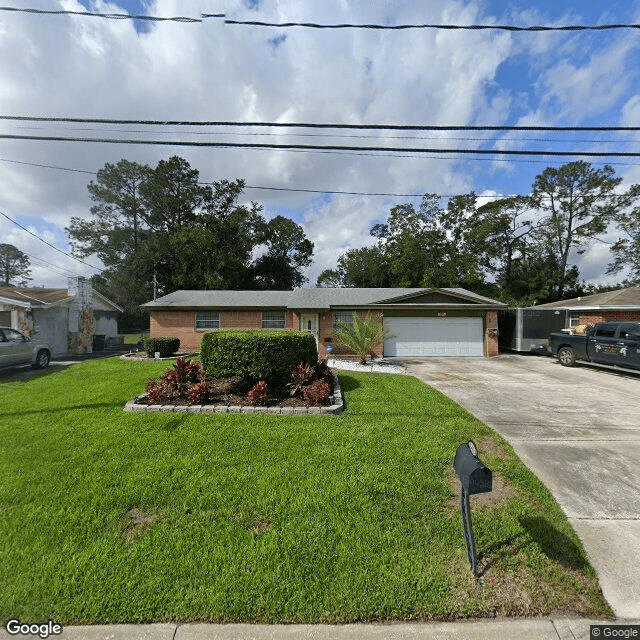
<point x="17" y="348"/>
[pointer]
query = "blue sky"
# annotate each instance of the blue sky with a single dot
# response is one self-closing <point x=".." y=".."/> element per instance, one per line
<point x="90" y="67"/>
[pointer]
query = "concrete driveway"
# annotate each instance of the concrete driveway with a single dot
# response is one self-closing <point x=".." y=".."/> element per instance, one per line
<point x="578" y="430"/>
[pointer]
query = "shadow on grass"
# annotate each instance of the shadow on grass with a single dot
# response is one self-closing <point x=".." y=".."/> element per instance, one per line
<point x="347" y="383"/>
<point x="26" y="373"/>
<point x="553" y="543"/>
<point x="97" y="405"/>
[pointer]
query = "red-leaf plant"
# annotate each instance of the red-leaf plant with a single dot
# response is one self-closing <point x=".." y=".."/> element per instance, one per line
<point x="259" y="393"/>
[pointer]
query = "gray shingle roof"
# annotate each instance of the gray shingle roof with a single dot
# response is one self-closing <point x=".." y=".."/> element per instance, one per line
<point x="618" y="299"/>
<point x="304" y="298"/>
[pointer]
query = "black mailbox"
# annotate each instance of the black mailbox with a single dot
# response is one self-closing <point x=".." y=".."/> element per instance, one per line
<point x="474" y="476"/>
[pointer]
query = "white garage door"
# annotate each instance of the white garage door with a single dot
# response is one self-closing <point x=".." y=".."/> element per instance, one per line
<point x="433" y="337"/>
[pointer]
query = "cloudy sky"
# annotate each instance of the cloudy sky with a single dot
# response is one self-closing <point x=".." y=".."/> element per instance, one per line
<point x="91" y="67"/>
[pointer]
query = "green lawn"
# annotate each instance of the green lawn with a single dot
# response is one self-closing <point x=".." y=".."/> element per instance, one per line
<point x="107" y="516"/>
<point x="134" y="338"/>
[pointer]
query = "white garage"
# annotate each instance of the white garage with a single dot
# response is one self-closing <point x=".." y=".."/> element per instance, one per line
<point x="416" y="336"/>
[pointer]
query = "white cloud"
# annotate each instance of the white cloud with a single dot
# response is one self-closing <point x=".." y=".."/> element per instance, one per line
<point x="211" y="71"/>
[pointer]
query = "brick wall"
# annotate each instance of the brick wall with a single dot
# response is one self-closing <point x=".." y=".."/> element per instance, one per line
<point x="182" y="324"/>
<point x="491" y="333"/>
<point x="594" y="317"/>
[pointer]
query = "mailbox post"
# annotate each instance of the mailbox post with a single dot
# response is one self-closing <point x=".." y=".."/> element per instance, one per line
<point x="474" y="478"/>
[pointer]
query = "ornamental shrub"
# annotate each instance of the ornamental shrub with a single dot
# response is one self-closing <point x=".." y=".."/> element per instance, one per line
<point x="259" y="393"/>
<point x="199" y="392"/>
<point x="166" y="346"/>
<point x="263" y="354"/>
<point x="362" y="336"/>
<point x="301" y="375"/>
<point x="317" y="392"/>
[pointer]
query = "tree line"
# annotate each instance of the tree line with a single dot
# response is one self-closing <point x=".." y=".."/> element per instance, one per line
<point x="515" y="249"/>
<point x="158" y="229"/>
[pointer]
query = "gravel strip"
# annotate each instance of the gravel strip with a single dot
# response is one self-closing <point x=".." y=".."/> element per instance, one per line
<point x="375" y="366"/>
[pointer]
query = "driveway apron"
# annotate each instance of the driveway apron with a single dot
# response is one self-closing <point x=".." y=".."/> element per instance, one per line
<point x="578" y="430"/>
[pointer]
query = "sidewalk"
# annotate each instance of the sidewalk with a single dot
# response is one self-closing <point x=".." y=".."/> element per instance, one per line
<point x="500" y="629"/>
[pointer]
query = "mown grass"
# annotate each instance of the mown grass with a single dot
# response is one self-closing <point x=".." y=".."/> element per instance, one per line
<point x="107" y="516"/>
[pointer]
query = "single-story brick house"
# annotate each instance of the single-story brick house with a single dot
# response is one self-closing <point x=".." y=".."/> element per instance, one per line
<point x="613" y="306"/>
<point x="71" y="320"/>
<point x="423" y="322"/>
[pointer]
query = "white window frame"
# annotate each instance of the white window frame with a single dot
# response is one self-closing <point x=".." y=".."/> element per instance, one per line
<point x="278" y="319"/>
<point x="207" y="320"/>
<point x="345" y="317"/>
<point x="574" y="318"/>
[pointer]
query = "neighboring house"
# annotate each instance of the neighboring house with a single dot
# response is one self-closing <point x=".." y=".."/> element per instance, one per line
<point x="612" y="306"/>
<point x="423" y="322"/>
<point x="72" y="320"/>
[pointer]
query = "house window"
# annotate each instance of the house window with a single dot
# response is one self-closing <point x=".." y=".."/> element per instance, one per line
<point x="574" y="318"/>
<point x="207" y="320"/>
<point x="342" y="316"/>
<point x="273" y="319"/>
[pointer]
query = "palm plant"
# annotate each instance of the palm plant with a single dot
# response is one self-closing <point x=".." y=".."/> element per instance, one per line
<point x="362" y="336"/>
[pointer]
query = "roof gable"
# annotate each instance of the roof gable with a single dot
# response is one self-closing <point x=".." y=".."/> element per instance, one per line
<point x="437" y="296"/>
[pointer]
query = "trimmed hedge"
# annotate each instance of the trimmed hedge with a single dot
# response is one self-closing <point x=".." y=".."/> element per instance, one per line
<point x="260" y="354"/>
<point x="166" y="346"/>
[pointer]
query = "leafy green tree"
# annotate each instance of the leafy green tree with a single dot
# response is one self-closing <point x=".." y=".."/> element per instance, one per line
<point x="579" y="202"/>
<point x="120" y="218"/>
<point x="288" y="251"/>
<point x="158" y="229"/>
<point x="172" y="195"/>
<point x="14" y="266"/>
<point x="364" y="267"/>
<point x="361" y="337"/>
<point x="329" y="278"/>
<point x="626" y="250"/>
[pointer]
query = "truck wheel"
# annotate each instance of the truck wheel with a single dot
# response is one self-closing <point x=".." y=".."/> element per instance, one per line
<point x="566" y="356"/>
<point x="42" y="359"/>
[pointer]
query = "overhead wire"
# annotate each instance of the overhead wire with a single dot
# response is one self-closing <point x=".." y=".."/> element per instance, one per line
<point x="285" y="189"/>
<point x="111" y="16"/>
<point x="315" y="25"/>
<point x="334" y="135"/>
<point x="305" y="147"/>
<point x="447" y="27"/>
<point x="313" y="125"/>
<point x="64" y="253"/>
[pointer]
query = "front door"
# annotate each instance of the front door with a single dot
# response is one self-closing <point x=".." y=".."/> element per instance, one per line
<point x="309" y="322"/>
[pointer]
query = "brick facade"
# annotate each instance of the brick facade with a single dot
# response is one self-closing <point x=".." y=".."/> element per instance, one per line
<point x="182" y="325"/>
<point x="491" y="334"/>
<point x="594" y="317"/>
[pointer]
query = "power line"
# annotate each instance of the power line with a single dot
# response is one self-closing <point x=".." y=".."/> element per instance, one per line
<point x="285" y="189"/>
<point x="335" y="135"/>
<point x="112" y="16"/>
<point x="315" y="25"/>
<point x="47" y="166"/>
<point x="48" y="243"/>
<point x="448" y="27"/>
<point x="308" y="147"/>
<point x="50" y="266"/>
<point x="311" y="125"/>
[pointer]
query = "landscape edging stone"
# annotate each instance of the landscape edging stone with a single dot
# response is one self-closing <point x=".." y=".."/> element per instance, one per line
<point x="334" y="409"/>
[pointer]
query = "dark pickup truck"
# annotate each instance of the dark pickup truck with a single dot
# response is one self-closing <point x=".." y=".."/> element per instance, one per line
<point x="611" y="343"/>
